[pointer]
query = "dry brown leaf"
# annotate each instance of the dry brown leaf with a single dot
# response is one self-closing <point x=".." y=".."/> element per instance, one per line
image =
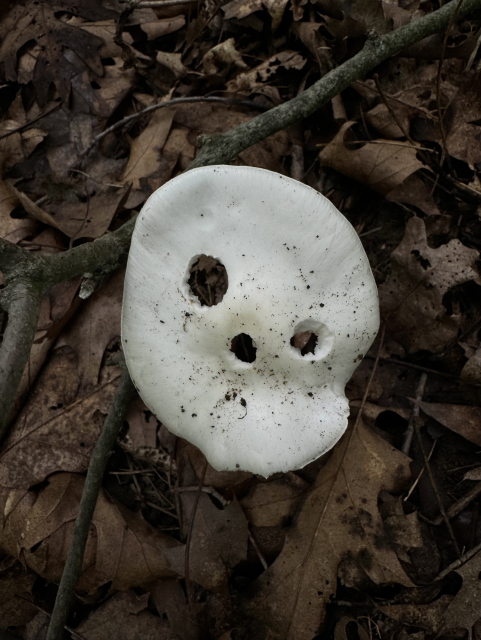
<point x="471" y="371"/>
<point x="424" y="616"/>
<point x="220" y="58"/>
<point x="250" y="80"/>
<point x="381" y="165"/>
<point x="190" y="456"/>
<point x="461" y="419"/>
<point x="56" y="430"/>
<point x="173" y="62"/>
<point x="34" y="210"/>
<point x="411" y="298"/>
<point x="145" y="159"/>
<point x="125" y="616"/>
<point x="12" y="229"/>
<point x="169" y="600"/>
<point x="95" y="326"/>
<point x="340" y="516"/>
<point x="122" y="547"/>
<point x="38" y="22"/>
<point x="162" y="27"/>
<point x="15" y="589"/>
<point x="90" y="219"/>
<point x="104" y="29"/>
<point x="271" y="504"/>
<point x="219" y="540"/>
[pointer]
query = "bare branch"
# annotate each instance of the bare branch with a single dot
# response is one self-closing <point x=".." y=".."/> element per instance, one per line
<point x="73" y="566"/>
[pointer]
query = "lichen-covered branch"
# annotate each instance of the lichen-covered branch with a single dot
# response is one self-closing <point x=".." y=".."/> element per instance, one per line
<point x="221" y="148"/>
<point x="73" y="565"/>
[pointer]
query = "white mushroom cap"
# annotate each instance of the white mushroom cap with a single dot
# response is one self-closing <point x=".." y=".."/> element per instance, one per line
<point x="294" y="263"/>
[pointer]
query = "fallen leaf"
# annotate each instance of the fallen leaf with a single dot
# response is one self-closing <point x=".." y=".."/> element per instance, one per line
<point x="15" y="590"/>
<point x="125" y="616"/>
<point x="37" y="21"/>
<point x="56" y="430"/>
<point x="424" y="616"/>
<point x="220" y="58"/>
<point x="340" y="516"/>
<point x="122" y="547"/>
<point x="145" y="159"/>
<point x="250" y="80"/>
<point x="219" y="540"/>
<point x="461" y="419"/>
<point x="162" y="27"/>
<point x="412" y="297"/>
<point x="382" y="165"/>
<point x="173" y="62"/>
<point x="169" y="599"/>
<point x="271" y="504"/>
<point x="95" y="326"/>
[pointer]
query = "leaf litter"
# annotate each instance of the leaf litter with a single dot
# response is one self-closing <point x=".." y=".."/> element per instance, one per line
<point x="356" y="544"/>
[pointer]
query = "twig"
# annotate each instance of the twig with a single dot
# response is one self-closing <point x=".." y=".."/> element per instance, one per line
<point x="414" y="416"/>
<point x="188" y="585"/>
<point x="438" y="85"/>
<point x="417" y="431"/>
<point x="459" y="562"/>
<point x="462" y="503"/>
<point x="260" y="555"/>
<point x="420" y="475"/>
<point x="221" y="148"/>
<point x="93" y="482"/>
<point x="170" y="103"/>
<point x="418" y="367"/>
<point x="30" y="122"/>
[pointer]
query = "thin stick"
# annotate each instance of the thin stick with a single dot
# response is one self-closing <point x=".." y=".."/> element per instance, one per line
<point x="459" y="562"/>
<point x="414" y="416"/>
<point x="462" y="503"/>
<point x="188" y="585"/>
<point x="415" y="483"/>
<point x="434" y="485"/>
<point x="93" y="482"/>
<point x="170" y="103"/>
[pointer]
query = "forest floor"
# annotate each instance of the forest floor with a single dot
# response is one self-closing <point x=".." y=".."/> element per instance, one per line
<point x="381" y="537"/>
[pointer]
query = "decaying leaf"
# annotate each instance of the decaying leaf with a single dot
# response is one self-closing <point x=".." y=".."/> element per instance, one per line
<point x="37" y="21"/>
<point x="463" y="420"/>
<point x="56" y="430"/>
<point x="272" y="503"/>
<point x="339" y="517"/>
<point x="219" y="540"/>
<point x="145" y="159"/>
<point x="125" y="616"/>
<point x="122" y="547"/>
<point x="15" y="590"/>
<point x="412" y="297"/>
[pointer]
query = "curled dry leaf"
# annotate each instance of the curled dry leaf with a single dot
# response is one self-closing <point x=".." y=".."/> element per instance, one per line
<point x="250" y="80"/>
<point x="340" y="516"/>
<point x="122" y="547"/>
<point x="412" y="297"/>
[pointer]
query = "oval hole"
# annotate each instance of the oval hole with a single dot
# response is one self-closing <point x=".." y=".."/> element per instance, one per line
<point x="243" y="347"/>
<point x="305" y="341"/>
<point x="208" y="280"/>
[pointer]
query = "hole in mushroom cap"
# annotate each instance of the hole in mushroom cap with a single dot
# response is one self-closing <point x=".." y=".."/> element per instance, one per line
<point x="208" y="280"/>
<point x="312" y="339"/>
<point x="244" y="347"/>
<point x="305" y="341"/>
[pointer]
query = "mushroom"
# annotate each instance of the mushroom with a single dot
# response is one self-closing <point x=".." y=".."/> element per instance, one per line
<point x="256" y="380"/>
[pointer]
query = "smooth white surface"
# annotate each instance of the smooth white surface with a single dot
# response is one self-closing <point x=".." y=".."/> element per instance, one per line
<point x="294" y="263"/>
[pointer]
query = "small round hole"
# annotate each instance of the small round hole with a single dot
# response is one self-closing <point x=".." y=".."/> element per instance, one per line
<point x="243" y="347"/>
<point x="305" y="341"/>
<point x="208" y="280"/>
